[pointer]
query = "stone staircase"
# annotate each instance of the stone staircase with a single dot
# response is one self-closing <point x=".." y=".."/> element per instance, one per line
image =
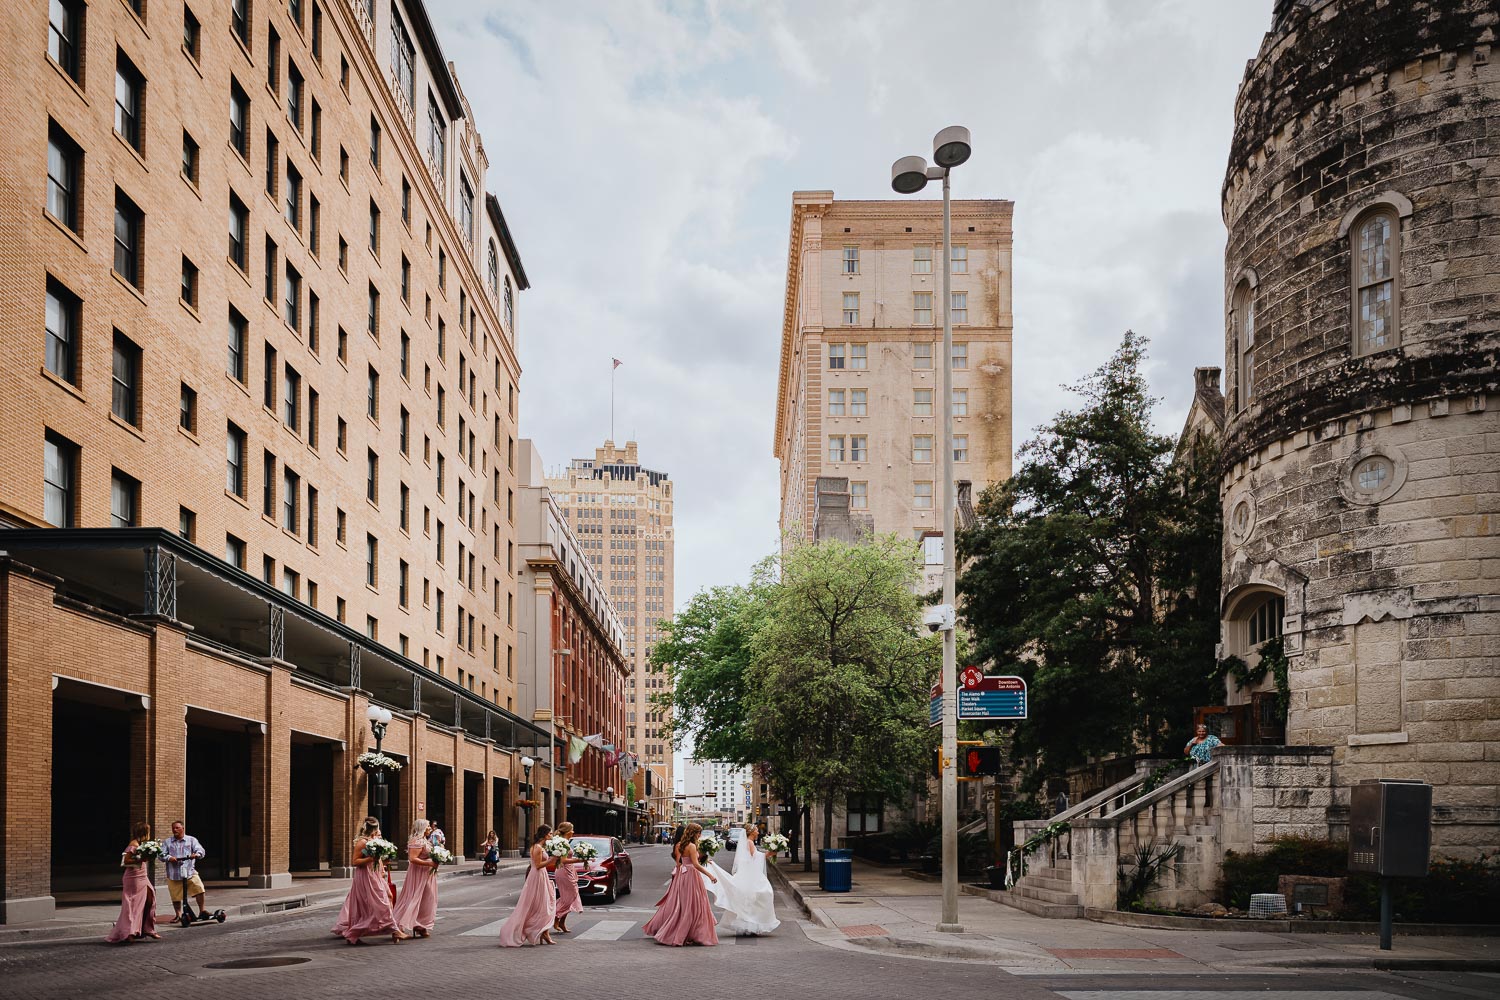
<point x="1046" y="892"/>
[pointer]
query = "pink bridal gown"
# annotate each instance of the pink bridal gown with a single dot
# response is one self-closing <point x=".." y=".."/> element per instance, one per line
<point x="416" y="910"/>
<point x="137" y="905"/>
<point x="684" y="913"/>
<point x="367" y="908"/>
<point x="534" y="912"/>
<point x="568" y="900"/>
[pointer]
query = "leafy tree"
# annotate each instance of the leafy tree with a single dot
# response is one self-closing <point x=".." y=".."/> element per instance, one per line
<point x="1094" y="573"/>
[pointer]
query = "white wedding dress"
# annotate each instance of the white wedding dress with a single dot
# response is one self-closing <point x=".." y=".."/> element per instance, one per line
<point x="746" y="895"/>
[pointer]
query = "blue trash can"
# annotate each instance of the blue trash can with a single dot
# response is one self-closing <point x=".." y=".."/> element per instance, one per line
<point x="835" y="870"/>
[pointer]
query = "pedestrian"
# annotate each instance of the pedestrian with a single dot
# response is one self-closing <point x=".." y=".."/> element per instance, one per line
<point x="568" y="900"/>
<point x="684" y="914"/>
<point x="416" y="910"/>
<point x="436" y="836"/>
<point x="531" y="921"/>
<point x="1201" y="746"/>
<point x="183" y="852"/>
<point x="491" y="853"/>
<point x="367" y="909"/>
<point x="1060" y="804"/>
<point x="137" y="895"/>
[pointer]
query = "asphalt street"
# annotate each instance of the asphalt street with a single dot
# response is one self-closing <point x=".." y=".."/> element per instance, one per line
<point x="606" y="955"/>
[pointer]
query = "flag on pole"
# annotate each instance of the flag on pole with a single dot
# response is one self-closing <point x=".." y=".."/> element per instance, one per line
<point x="596" y="741"/>
<point x="576" y="747"/>
<point x="617" y="363"/>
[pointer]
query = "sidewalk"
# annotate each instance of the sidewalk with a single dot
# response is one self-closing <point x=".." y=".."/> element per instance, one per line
<point x="87" y="920"/>
<point x="889" y="913"/>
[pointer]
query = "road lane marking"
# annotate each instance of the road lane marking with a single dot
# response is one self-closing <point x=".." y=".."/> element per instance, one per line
<point x="606" y="930"/>
<point x="491" y="929"/>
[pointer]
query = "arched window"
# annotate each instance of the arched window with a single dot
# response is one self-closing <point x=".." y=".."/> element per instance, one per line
<point x="510" y="306"/>
<point x="1375" y="245"/>
<point x="1242" y="323"/>
<point x="494" y="270"/>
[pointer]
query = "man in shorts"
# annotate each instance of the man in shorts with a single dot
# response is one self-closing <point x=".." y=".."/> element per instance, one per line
<point x="183" y="853"/>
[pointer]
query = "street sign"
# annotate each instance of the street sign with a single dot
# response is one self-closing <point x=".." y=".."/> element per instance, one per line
<point x="935" y="707"/>
<point x="994" y="697"/>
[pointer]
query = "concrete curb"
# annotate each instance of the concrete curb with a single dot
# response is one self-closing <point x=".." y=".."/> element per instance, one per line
<point x="1161" y="921"/>
<point x="796" y="893"/>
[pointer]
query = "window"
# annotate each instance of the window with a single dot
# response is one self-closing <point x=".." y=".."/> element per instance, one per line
<point x="835" y="402"/>
<point x="864" y="813"/>
<point x="960" y="402"/>
<point x="128" y="224"/>
<point x="270" y="276"/>
<point x="959" y="307"/>
<point x="921" y="402"/>
<point x="405" y="280"/>
<point x="273" y="157"/>
<point x="64" y="173"/>
<point x="859" y="355"/>
<point x="65" y="36"/>
<point x="921" y="260"/>
<point x="835" y="448"/>
<point x="344" y="74"/>
<point x="859" y="496"/>
<point x="375" y="144"/>
<point x="405" y="507"/>
<point x="341" y="527"/>
<point x="189" y="158"/>
<point x="372" y="554"/>
<point x="405" y="431"/>
<point x="405" y="355"/>
<point x="317" y="31"/>
<point x="921" y="447"/>
<point x="292" y="291"/>
<point x="293" y="197"/>
<point x="312" y="418"/>
<point x="510" y="305"/>
<point x="234" y="551"/>
<point x="63" y="323"/>
<point x="273" y="60"/>
<point x="406" y="201"/>
<point x="372" y="313"/>
<point x="239" y="20"/>
<point x="403" y="58"/>
<point x="1242" y="320"/>
<point x="403" y="581"/>
<point x="187" y="409"/>
<point x="851" y="260"/>
<point x="314" y="225"/>
<point x="921" y="355"/>
<point x="130" y="101"/>
<point x="343" y="254"/>
<point x="857" y="402"/>
<point x="269" y="383"/>
<point x="960" y="447"/>
<point x="341" y="436"/>
<point x="124" y="500"/>
<point x="1376" y="254"/>
<point x="374" y="228"/>
<point x="239" y="119"/>
<point x="191" y="33"/>
<point x="921" y="496"/>
<point x="437" y="138"/>
<point x="851" y="308"/>
<point x="59" y="479"/>
<point x="858" y="448"/>
<point x="344" y="165"/>
<point x="492" y="269"/>
<point x="372" y="394"/>
<point x="238" y="330"/>
<point x="291" y="492"/>
<point x="372" y="476"/>
<point x="187" y="524"/>
<point x="294" y="90"/>
<point x="921" y="308"/>
<point x="239" y="227"/>
<point x="291" y="399"/>
<point x="960" y="357"/>
<point x="268" y="484"/>
<point x="466" y="209"/>
<point x="125" y="391"/>
<point x="960" y="260"/>
<point x="343" y="345"/>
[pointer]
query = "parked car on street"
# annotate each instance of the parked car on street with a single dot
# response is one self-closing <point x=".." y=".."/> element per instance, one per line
<point x="736" y="835"/>
<point x="607" y="877"/>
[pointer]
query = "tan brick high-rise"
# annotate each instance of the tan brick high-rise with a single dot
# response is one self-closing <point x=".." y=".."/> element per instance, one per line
<point x="861" y="361"/>
<point x="257" y="314"/>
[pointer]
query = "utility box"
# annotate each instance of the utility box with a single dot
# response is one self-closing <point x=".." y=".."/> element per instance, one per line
<point x="1390" y="828"/>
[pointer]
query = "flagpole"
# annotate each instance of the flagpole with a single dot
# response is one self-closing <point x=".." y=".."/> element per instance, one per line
<point x="612" y="366"/>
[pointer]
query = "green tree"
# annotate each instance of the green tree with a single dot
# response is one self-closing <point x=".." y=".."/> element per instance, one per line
<point x="839" y="686"/>
<point x="1094" y="573"/>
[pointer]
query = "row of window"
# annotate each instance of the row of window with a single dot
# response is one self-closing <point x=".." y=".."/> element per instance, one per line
<point x="857" y="405"/>
<point x="921" y="447"/>
<point x="857" y="356"/>
<point x="921" y="259"/>
<point x="921" y="308"/>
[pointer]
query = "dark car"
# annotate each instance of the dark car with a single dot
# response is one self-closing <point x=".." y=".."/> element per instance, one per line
<point x="607" y="877"/>
<point x="736" y="836"/>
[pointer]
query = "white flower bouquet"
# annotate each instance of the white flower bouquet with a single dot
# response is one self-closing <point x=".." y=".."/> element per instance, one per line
<point x="709" y="845"/>
<point x="774" y="843"/>
<point x="557" y="847"/>
<point x="584" y="851"/>
<point x="379" y="849"/>
<point x="372" y="761"/>
<point x="440" y="854"/>
<point x="149" y="850"/>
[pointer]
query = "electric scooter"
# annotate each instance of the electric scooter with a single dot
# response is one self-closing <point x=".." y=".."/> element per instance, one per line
<point x="190" y="917"/>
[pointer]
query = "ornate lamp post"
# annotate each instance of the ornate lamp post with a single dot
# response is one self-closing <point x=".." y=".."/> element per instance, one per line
<point x="379" y="718"/>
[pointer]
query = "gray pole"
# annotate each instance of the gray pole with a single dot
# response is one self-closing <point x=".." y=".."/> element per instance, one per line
<point x="950" y="652"/>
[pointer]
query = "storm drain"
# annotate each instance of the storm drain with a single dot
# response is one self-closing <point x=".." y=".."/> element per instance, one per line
<point x="268" y="962"/>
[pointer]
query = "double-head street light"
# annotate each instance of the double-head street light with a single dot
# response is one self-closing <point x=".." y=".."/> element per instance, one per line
<point x="910" y="174"/>
<point x="379" y="718"/>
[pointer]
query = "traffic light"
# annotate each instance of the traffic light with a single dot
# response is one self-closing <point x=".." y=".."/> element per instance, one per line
<point x="978" y="761"/>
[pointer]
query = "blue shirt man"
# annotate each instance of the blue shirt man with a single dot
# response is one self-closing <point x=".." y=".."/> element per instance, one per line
<point x="183" y="853"/>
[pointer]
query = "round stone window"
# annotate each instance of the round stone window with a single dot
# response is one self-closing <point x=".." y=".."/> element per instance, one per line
<point x="1371" y="476"/>
<point x="1241" y="520"/>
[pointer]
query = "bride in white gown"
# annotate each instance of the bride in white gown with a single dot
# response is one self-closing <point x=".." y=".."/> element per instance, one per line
<point x="746" y="895"/>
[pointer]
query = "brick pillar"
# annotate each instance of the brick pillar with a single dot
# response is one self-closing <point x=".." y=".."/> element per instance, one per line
<point x="415" y="790"/>
<point x="270" y="785"/>
<point x="165" y="721"/>
<point x="25" y="746"/>
<point x="343" y="789"/>
<point x="486" y="810"/>
<point x="455" y="831"/>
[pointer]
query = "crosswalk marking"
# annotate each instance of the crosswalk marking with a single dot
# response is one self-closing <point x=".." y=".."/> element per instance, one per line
<point x="606" y="930"/>
<point x="491" y="929"/>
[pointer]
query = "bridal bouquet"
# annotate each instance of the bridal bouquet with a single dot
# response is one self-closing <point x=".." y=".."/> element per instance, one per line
<point x="773" y="843"/>
<point x="709" y="845"/>
<point x="441" y="855"/>
<point x="379" y="849"/>
<point x="148" y="850"/>
<point x="584" y="851"/>
<point x="557" y="847"/>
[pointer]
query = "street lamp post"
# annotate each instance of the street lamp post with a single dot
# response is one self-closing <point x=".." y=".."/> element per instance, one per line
<point x="379" y="718"/>
<point x="910" y="174"/>
<point x="526" y="763"/>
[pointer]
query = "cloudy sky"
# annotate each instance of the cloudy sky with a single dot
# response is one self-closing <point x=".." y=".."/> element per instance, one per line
<point x="645" y="154"/>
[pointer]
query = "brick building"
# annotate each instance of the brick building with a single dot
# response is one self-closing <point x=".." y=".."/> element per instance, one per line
<point x="257" y="316"/>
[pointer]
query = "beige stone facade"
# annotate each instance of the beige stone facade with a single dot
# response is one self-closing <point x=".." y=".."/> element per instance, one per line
<point x="622" y="513"/>
<point x="861" y="342"/>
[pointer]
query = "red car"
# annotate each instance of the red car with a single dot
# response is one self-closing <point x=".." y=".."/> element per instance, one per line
<point x="607" y="877"/>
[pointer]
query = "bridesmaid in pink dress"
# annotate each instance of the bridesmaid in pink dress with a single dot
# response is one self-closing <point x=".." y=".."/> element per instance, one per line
<point x="367" y="908"/>
<point x="685" y="914"/>
<point x="531" y="921"/>
<point x="568" y="900"/>
<point x="138" y="896"/>
<point x="416" y="910"/>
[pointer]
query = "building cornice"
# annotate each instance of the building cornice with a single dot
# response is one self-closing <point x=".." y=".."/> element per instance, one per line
<point x="507" y="243"/>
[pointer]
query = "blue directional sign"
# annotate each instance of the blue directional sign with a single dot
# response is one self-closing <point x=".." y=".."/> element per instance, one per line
<point x="935" y="708"/>
<point x="992" y="698"/>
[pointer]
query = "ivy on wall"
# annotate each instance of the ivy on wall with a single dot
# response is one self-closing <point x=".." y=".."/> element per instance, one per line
<point x="1273" y="661"/>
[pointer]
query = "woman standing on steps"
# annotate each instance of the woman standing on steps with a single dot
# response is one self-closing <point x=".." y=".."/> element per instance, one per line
<point x="531" y="921"/>
<point x="367" y="908"/>
<point x="684" y="914"/>
<point x="568" y="900"/>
